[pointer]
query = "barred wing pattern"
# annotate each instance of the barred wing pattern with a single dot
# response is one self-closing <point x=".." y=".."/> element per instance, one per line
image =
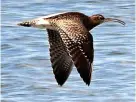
<point x="60" y="59"/>
<point x="79" y="43"/>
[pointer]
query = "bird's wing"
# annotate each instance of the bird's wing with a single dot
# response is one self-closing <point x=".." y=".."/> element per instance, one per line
<point x="79" y="43"/>
<point x="60" y="59"/>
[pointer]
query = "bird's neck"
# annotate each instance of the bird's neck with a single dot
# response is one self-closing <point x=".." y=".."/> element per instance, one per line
<point x="89" y="24"/>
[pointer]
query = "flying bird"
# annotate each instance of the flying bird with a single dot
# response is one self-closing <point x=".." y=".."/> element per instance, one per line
<point x="70" y="42"/>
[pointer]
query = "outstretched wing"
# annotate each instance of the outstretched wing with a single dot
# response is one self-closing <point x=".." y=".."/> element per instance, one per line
<point x="79" y="43"/>
<point x="60" y="59"/>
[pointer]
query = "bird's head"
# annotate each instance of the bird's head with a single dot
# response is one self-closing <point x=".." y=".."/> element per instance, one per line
<point x="99" y="19"/>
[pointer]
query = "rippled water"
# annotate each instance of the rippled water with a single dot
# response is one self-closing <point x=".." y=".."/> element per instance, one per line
<point x="26" y="69"/>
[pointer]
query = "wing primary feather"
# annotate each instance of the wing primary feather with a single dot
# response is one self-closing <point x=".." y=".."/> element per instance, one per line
<point x="60" y="59"/>
<point x="80" y="48"/>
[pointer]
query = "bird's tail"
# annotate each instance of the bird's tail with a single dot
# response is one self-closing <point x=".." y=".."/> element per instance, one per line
<point x="27" y="23"/>
<point x="37" y="23"/>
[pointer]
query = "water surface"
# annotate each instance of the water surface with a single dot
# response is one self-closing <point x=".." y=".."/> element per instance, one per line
<point x="26" y="69"/>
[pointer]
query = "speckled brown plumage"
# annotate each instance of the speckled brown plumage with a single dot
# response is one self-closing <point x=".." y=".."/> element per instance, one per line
<point x="60" y="59"/>
<point x="70" y="42"/>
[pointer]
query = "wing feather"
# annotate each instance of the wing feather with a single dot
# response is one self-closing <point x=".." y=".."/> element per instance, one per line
<point x="60" y="59"/>
<point x="79" y="43"/>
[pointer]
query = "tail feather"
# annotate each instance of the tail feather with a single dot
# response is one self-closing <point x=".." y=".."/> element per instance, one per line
<point x="26" y="24"/>
<point x="37" y="23"/>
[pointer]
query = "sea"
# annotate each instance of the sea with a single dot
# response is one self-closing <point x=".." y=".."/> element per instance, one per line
<point x="26" y="71"/>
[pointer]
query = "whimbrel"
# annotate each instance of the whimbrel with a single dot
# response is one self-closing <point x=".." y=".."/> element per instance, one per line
<point x="70" y="42"/>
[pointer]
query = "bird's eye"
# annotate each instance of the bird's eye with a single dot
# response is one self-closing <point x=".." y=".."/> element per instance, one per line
<point x="101" y="17"/>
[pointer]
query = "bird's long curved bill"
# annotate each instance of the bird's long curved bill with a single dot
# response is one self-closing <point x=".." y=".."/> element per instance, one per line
<point x="114" y="20"/>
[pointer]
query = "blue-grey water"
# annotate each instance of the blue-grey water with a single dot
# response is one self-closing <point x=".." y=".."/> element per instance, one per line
<point x="26" y="69"/>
